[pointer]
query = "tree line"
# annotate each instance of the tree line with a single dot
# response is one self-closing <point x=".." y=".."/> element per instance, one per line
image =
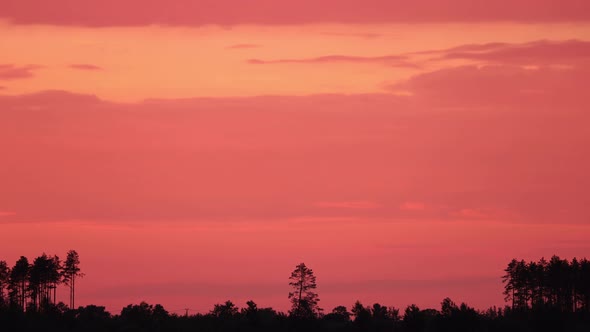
<point x="33" y="286"/>
<point x="551" y="300"/>
<point x="556" y="283"/>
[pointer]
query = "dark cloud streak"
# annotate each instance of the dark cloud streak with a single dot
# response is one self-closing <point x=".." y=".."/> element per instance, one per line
<point x="228" y="12"/>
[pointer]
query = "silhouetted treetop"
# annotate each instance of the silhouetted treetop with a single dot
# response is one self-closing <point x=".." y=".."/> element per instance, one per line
<point x="304" y="301"/>
<point x="542" y="296"/>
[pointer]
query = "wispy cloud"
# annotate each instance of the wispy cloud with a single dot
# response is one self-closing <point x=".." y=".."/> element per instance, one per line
<point x="230" y="12"/>
<point x="388" y="60"/>
<point x="84" y="66"/>
<point x="14" y="72"/>
<point x="543" y="52"/>
<point x="468" y="137"/>
<point x="540" y="52"/>
<point x="537" y="52"/>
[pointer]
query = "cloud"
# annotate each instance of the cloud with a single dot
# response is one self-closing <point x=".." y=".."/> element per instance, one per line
<point x="14" y="72"/>
<point x="534" y="53"/>
<point x="491" y="138"/>
<point x="466" y="47"/>
<point x="559" y="54"/>
<point x="83" y="66"/>
<point x="388" y="60"/>
<point x="228" y="12"/>
<point x="505" y="75"/>
<point x="49" y="99"/>
<point x="243" y="46"/>
<point x="6" y="213"/>
<point x="498" y="85"/>
<point x="348" y="205"/>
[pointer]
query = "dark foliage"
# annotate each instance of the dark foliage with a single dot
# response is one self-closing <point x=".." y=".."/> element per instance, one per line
<point x="557" y="285"/>
<point x="542" y="296"/>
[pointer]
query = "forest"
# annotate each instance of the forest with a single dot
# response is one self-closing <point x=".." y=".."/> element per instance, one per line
<point x="551" y="295"/>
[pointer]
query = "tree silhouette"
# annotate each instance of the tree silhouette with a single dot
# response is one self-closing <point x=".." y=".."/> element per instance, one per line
<point x="583" y="286"/>
<point x="537" y="279"/>
<point x="225" y="310"/>
<point x="303" y="299"/>
<point x="379" y="312"/>
<point x="448" y="307"/>
<point x="413" y="318"/>
<point x="339" y="313"/>
<point x="549" y="295"/>
<point x="361" y="313"/>
<point x="43" y="279"/>
<point x="4" y="279"/>
<point x="71" y="271"/>
<point x="509" y="278"/>
<point x="250" y="310"/>
<point x="19" y="276"/>
<point x="557" y="284"/>
<point x="144" y="317"/>
<point x="36" y="274"/>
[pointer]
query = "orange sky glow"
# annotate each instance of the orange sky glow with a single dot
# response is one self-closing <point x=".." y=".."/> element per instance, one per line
<point x="196" y="151"/>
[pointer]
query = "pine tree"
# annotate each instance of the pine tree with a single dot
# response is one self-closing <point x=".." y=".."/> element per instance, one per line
<point x="4" y="279"/>
<point x="303" y="298"/>
<point x="19" y="277"/>
<point x="71" y="271"/>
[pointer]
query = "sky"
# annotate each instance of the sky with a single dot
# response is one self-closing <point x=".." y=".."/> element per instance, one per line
<point x="196" y="151"/>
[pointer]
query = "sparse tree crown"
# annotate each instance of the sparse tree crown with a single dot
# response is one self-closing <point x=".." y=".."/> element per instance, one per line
<point x="303" y="299"/>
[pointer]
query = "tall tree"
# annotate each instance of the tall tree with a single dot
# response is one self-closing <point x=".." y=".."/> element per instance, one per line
<point x="557" y="284"/>
<point x="36" y="274"/>
<point x="71" y="271"/>
<point x="19" y="276"/>
<point x="583" y="288"/>
<point x="539" y="289"/>
<point x="523" y="284"/>
<point x="510" y="280"/>
<point x="303" y="298"/>
<point x="4" y="279"/>
<point x="54" y="275"/>
<point x="43" y="279"/>
<point x="557" y="275"/>
<point x="574" y="282"/>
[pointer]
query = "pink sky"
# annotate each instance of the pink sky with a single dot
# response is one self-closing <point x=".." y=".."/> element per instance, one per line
<point x="196" y="151"/>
